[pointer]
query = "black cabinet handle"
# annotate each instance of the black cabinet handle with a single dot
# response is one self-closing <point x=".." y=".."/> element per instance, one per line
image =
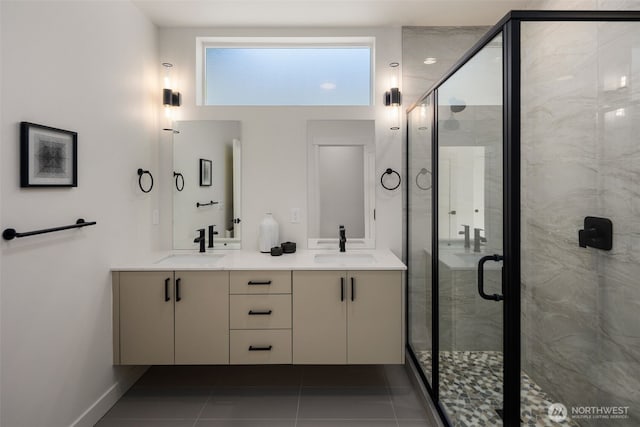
<point x="260" y="313"/>
<point x="258" y="282"/>
<point x="178" y="289"/>
<point x="166" y="289"/>
<point x="342" y="289"/>
<point x="252" y="348"/>
<point x="353" y="289"/>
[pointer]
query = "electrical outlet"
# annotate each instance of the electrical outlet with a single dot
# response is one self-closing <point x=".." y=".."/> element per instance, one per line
<point x="295" y="215"/>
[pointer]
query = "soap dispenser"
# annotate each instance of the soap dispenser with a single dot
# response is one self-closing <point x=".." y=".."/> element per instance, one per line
<point x="268" y="235"/>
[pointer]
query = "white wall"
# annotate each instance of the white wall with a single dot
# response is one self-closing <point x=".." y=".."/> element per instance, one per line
<point x="274" y="170"/>
<point x="91" y="67"/>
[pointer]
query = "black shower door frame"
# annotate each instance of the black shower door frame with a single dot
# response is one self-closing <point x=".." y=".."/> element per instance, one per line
<point x="509" y="26"/>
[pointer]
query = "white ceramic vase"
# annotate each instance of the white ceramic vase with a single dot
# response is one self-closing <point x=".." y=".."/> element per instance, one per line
<point x="268" y="235"/>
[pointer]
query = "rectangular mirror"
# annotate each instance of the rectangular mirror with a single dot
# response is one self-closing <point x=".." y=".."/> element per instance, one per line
<point x="207" y="182"/>
<point x="341" y="191"/>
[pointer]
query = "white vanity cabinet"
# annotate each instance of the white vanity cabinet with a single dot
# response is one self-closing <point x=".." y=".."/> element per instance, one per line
<point x="171" y="317"/>
<point x="347" y="317"/>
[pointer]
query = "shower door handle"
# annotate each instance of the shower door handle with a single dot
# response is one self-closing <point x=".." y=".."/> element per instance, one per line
<point x="496" y="258"/>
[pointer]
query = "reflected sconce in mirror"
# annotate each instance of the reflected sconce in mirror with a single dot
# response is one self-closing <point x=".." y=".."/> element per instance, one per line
<point x="170" y="97"/>
<point x="393" y="97"/>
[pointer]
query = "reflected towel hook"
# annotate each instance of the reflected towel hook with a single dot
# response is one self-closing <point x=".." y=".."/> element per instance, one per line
<point x="390" y="171"/>
<point x="142" y="172"/>
<point x="423" y="171"/>
<point x="177" y="176"/>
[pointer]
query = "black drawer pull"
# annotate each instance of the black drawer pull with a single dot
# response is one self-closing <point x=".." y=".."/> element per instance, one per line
<point x="252" y="348"/>
<point x="258" y="282"/>
<point x="353" y="289"/>
<point x="178" y="298"/>
<point x="166" y="289"/>
<point x="342" y="289"/>
<point x="260" y="313"/>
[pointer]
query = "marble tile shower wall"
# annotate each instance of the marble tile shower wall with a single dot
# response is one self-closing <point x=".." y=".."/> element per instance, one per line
<point x="580" y="116"/>
<point x="584" y="5"/>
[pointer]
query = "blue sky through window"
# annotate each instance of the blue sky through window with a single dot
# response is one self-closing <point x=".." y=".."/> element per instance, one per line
<point x="288" y="76"/>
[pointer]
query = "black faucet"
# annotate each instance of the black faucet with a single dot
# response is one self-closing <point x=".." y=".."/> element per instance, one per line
<point x="211" y="233"/>
<point x="477" y="239"/>
<point x="343" y="239"/>
<point x="467" y="240"/>
<point x="200" y="239"/>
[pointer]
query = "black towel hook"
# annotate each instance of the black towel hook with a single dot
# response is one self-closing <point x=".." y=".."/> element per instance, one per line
<point x="142" y="172"/>
<point x="178" y="175"/>
<point x="389" y="171"/>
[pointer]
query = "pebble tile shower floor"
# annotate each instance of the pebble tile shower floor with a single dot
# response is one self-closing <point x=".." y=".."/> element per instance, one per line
<point x="471" y="390"/>
<point x="270" y="396"/>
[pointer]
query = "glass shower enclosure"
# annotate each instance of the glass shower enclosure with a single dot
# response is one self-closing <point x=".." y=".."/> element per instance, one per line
<point x="523" y="225"/>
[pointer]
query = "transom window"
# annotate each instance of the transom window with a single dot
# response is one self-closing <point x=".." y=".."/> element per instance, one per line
<point x="287" y="71"/>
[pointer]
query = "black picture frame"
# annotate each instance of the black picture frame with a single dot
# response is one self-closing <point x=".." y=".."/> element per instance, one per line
<point x="206" y="169"/>
<point x="48" y="156"/>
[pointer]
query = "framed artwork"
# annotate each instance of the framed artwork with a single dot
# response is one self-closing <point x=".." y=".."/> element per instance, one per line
<point x="48" y="156"/>
<point x="205" y="173"/>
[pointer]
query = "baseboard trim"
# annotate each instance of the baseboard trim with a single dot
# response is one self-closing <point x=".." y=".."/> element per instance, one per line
<point x="92" y="415"/>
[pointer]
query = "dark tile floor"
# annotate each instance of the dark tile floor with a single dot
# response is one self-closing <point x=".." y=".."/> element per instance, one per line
<point x="270" y="396"/>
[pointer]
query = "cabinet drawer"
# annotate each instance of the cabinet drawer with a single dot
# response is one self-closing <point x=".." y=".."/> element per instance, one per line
<point x="260" y="311"/>
<point x="251" y="347"/>
<point x="260" y="282"/>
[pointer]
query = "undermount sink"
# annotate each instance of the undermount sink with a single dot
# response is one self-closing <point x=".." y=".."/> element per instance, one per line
<point x="344" y="259"/>
<point x="191" y="259"/>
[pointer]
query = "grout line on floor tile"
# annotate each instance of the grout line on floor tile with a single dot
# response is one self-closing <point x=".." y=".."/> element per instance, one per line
<point x="295" y="424"/>
<point x="390" y="396"/>
<point x="203" y="406"/>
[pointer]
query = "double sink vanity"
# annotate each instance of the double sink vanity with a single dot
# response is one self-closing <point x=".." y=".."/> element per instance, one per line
<point x="240" y="307"/>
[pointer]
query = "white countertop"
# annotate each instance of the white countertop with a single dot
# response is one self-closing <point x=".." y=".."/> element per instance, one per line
<point x="378" y="259"/>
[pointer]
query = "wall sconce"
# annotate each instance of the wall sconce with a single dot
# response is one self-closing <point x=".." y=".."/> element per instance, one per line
<point x="393" y="97"/>
<point x="170" y="97"/>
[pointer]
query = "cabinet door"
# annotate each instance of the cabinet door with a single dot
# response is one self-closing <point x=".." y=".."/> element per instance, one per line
<point x="374" y="317"/>
<point x="202" y="317"/>
<point x="319" y="317"/>
<point x="146" y="318"/>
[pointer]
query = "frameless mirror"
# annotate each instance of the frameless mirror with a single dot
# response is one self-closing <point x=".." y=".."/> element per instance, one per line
<point x="341" y="160"/>
<point x="207" y="183"/>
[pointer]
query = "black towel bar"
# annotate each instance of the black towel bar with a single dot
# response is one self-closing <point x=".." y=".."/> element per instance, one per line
<point x="206" y="204"/>
<point x="11" y="233"/>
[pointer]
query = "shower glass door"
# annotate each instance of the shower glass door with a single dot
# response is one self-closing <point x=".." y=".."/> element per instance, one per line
<point x="420" y="242"/>
<point x="470" y="242"/>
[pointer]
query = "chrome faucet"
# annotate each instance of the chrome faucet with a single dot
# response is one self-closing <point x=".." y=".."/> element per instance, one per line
<point x="343" y="239"/>
<point x="211" y="234"/>
<point x="200" y="239"/>
<point x="467" y="239"/>
<point x="478" y="239"/>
